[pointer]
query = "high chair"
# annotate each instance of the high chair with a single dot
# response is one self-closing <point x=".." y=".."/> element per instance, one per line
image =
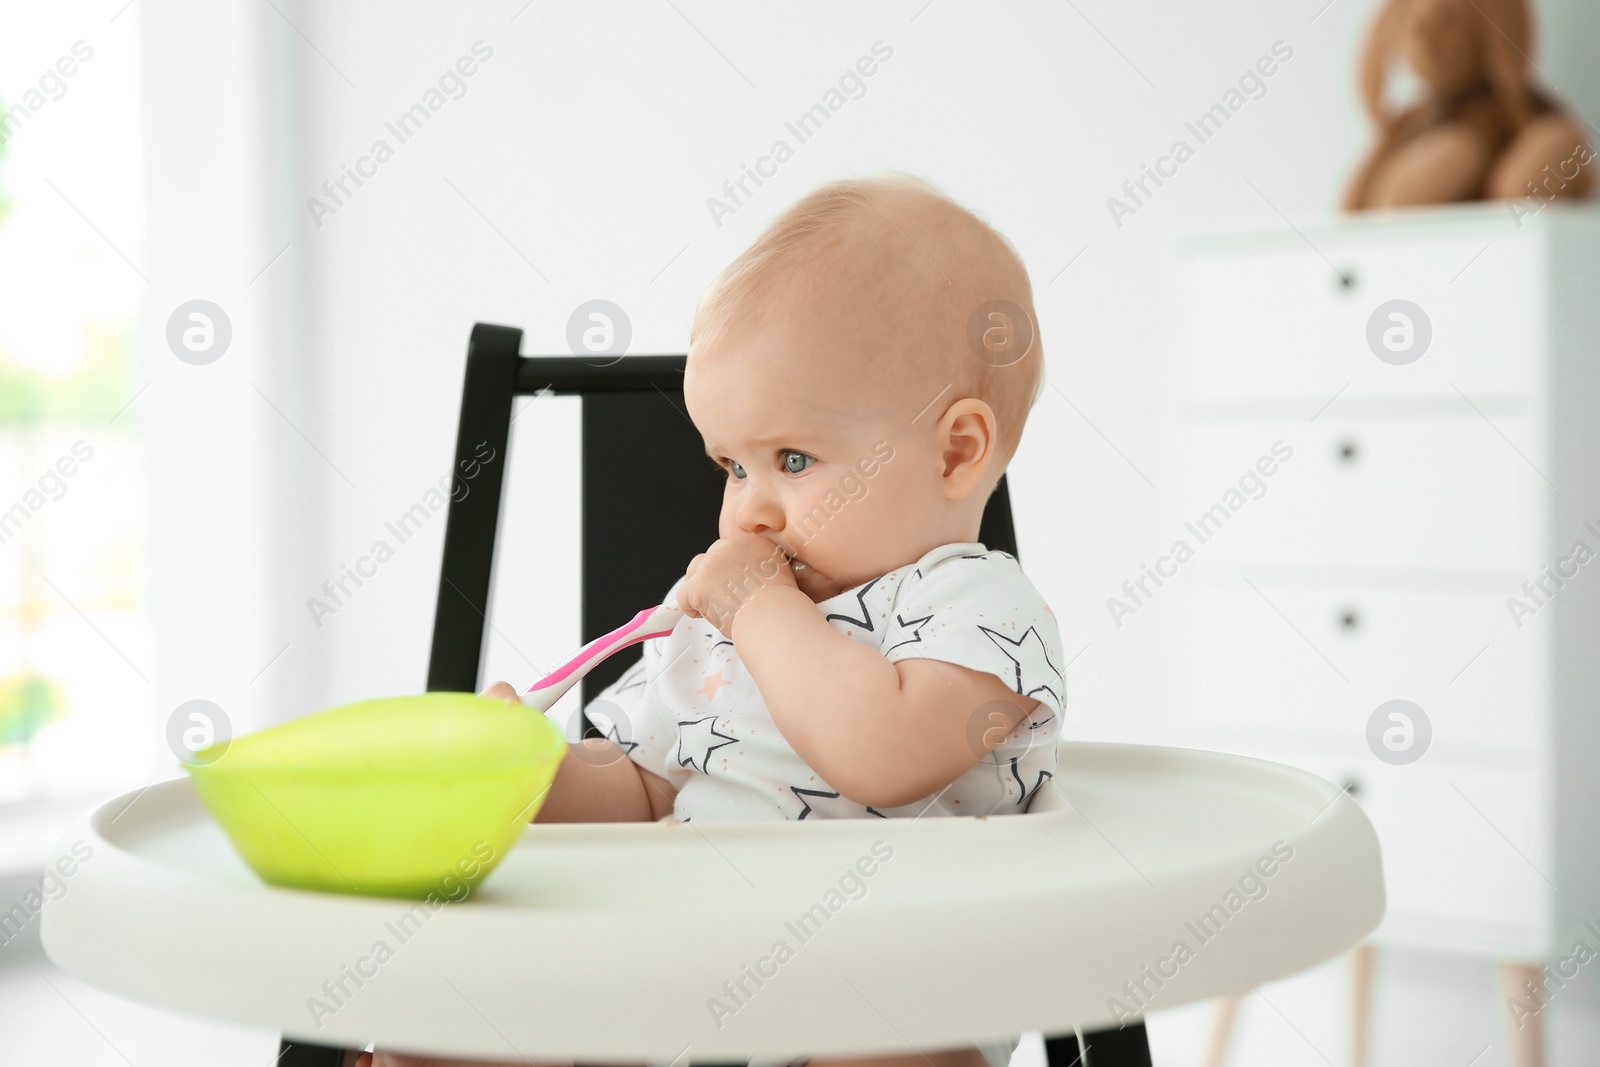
<point x="607" y="942"/>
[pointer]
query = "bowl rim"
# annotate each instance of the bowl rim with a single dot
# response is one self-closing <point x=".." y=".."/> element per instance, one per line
<point x="547" y="742"/>
<point x="365" y="774"/>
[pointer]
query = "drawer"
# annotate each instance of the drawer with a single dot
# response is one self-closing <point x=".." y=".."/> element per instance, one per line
<point x="1273" y="321"/>
<point x="1429" y="494"/>
<point x="1466" y="850"/>
<point x="1315" y="662"/>
<point x="1466" y="855"/>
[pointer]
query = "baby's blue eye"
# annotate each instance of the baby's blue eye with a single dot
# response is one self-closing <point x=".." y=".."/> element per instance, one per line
<point x="795" y="462"/>
<point x="738" y="471"/>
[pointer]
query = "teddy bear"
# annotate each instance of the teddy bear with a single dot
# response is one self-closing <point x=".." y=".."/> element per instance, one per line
<point x="1480" y="130"/>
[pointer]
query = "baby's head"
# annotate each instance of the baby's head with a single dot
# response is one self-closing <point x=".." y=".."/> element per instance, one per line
<point x="863" y="372"/>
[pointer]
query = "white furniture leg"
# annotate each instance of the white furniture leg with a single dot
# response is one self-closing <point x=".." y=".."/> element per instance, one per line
<point x="1363" y="964"/>
<point x="1524" y="1043"/>
<point x="1223" y="1019"/>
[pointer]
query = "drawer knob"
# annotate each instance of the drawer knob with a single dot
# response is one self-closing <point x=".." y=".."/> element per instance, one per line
<point x="1348" y="452"/>
<point x="1350" y="619"/>
<point x="1347" y="280"/>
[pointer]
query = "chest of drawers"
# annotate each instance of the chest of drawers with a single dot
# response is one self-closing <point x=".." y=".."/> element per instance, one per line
<point x="1436" y="376"/>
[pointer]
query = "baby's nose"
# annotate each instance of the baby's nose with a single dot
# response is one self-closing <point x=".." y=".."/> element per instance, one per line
<point x="758" y="514"/>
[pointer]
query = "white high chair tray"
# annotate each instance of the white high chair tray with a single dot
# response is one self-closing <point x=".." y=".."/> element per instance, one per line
<point x="652" y="941"/>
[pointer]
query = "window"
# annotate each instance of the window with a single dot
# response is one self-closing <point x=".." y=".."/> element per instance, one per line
<point x="75" y="634"/>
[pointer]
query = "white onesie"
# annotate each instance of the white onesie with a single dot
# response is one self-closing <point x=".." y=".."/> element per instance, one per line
<point x="690" y="712"/>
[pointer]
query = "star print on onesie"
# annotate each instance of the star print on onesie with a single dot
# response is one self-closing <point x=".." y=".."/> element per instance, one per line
<point x="699" y="721"/>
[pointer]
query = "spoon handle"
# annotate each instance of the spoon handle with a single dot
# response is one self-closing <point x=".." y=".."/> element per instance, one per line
<point x="651" y="622"/>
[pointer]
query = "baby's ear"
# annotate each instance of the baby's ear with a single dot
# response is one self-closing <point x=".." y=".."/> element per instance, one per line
<point x="968" y="439"/>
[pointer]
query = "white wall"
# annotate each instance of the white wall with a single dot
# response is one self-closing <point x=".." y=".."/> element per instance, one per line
<point x="226" y="477"/>
<point x="591" y="142"/>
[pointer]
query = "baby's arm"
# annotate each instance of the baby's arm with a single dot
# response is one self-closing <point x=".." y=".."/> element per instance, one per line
<point x="597" y="782"/>
<point x="882" y="733"/>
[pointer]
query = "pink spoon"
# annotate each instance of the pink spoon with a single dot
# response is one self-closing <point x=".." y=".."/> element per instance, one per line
<point x="651" y="622"/>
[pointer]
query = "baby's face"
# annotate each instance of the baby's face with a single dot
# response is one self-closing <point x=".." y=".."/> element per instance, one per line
<point x="823" y="458"/>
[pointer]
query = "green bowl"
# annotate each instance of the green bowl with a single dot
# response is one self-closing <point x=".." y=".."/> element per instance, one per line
<point x="413" y="796"/>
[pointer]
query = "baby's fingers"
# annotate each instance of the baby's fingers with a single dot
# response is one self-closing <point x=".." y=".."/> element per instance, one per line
<point x="504" y="691"/>
<point x="815" y="585"/>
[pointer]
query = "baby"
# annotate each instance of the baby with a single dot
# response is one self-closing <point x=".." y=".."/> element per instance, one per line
<point x="862" y="373"/>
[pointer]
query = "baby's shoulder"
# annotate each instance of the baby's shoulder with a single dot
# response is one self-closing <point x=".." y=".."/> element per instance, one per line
<point x="964" y="567"/>
<point x="970" y="577"/>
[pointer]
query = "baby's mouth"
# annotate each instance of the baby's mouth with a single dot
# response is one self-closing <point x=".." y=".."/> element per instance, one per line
<point x="812" y="582"/>
<point x="804" y="572"/>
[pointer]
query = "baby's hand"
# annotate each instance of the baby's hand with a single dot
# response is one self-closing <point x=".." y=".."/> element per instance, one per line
<point x="813" y="583"/>
<point x="725" y="577"/>
<point x="504" y="691"/>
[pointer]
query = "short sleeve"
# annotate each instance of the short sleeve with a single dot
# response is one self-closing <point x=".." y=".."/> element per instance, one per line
<point x="981" y="612"/>
<point x="633" y="711"/>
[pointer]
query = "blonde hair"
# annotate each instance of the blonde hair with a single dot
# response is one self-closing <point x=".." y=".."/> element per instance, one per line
<point x="898" y="254"/>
